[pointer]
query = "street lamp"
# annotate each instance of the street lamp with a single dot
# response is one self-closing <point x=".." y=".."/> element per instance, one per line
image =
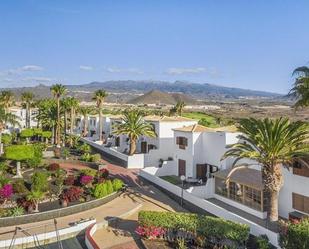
<point x="182" y="178"/>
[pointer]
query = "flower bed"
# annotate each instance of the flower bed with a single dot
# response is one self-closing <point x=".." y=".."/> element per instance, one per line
<point x="192" y="229"/>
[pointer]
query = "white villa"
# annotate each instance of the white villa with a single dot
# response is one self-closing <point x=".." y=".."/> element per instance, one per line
<point x="183" y="147"/>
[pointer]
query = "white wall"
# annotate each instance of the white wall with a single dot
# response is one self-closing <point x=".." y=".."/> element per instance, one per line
<point x="292" y="183"/>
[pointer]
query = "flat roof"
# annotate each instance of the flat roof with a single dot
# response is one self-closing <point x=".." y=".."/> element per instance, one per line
<point x="245" y="176"/>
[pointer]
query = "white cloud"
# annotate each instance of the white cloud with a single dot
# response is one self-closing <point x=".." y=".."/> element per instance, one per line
<point x="179" y="71"/>
<point x="124" y="70"/>
<point x="86" y="68"/>
<point x="38" y="79"/>
<point x="31" y="68"/>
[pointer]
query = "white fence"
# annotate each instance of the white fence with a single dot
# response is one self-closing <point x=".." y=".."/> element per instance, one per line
<point x="135" y="161"/>
<point x="46" y="238"/>
<point x="255" y="229"/>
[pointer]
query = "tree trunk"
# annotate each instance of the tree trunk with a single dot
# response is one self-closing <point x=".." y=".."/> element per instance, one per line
<point x="18" y="170"/>
<point x="100" y="124"/>
<point x="132" y="147"/>
<point x="72" y="121"/>
<point x="58" y="122"/>
<point x="273" y="206"/>
<point x="36" y="207"/>
<point x="27" y="115"/>
<point x="85" y="125"/>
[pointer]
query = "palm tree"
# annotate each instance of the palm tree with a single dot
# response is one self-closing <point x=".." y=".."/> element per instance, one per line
<point x="73" y="105"/>
<point x="6" y="117"/>
<point x="300" y="89"/>
<point x="99" y="97"/>
<point x="85" y="111"/>
<point x="6" y="100"/>
<point x="134" y="126"/>
<point x="272" y="144"/>
<point x="27" y="98"/>
<point x="35" y="197"/>
<point x="177" y="109"/>
<point x="58" y="91"/>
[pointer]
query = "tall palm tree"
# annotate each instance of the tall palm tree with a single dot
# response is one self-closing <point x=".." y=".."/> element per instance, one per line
<point x="300" y="88"/>
<point x="27" y="98"/>
<point x="134" y="126"/>
<point x="6" y="117"/>
<point x="180" y="105"/>
<point x="6" y="100"/>
<point x="58" y="91"/>
<point x="272" y="144"/>
<point x="85" y="111"/>
<point x="99" y="97"/>
<point x="73" y="106"/>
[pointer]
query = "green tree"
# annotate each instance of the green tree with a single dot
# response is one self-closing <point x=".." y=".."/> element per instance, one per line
<point x="19" y="153"/>
<point x="99" y="97"/>
<point x="5" y="118"/>
<point x="177" y="109"/>
<point x="58" y="91"/>
<point x="6" y="100"/>
<point x="27" y="98"/>
<point x="300" y="89"/>
<point x="134" y="126"/>
<point x="272" y="144"/>
<point x="35" y="197"/>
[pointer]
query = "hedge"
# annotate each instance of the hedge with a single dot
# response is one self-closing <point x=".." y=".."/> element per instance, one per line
<point x="26" y="133"/>
<point x="295" y="235"/>
<point x="214" y="229"/>
<point x="47" y="134"/>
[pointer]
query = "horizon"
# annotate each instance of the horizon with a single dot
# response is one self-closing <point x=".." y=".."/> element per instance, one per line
<point x="238" y="45"/>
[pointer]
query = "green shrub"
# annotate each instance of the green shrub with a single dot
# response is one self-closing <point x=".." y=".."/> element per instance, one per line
<point x="36" y="160"/>
<point x="15" y="211"/>
<point x="262" y="242"/>
<point x="6" y="139"/>
<point x="85" y="157"/>
<point x="84" y="148"/>
<point x="95" y="158"/>
<point x="109" y="187"/>
<point x="37" y="131"/>
<point x="3" y="168"/>
<point x="117" y="184"/>
<point x="46" y="134"/>
<point x="27" y="133"/>
<point x="214" y="229"/>
<point x="39" y="181"/>
<point x="19" y="152"/>
<point x="4" y="180"/>
<point x="295" y="235"/>
<point x="20" y="187"/>
<point x="89" y="172"/>
<point x="100" y="190"/>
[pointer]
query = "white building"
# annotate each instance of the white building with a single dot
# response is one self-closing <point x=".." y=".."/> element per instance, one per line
<point x="21" y="117"/>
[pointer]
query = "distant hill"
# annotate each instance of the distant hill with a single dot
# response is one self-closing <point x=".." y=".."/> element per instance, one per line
<point x="158" y="97"/>
<point x="127" y="91"/>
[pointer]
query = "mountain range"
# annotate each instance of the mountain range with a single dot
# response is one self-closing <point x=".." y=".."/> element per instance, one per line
<point x="129" y="90"/>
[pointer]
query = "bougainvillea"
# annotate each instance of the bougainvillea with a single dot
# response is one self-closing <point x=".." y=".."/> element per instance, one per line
<point x="85" y="180"/>
<point x="6" y="191"/>
<point x="150" y="232"/>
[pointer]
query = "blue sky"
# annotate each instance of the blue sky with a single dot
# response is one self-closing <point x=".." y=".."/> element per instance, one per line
<point x="248" y="44"/>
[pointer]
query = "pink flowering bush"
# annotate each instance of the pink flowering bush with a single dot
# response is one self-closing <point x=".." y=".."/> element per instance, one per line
<point x="6" y="191"/>
<point x="85" y="180"/>
<point x="103" y="173"/>
<point x="151" y="232"/>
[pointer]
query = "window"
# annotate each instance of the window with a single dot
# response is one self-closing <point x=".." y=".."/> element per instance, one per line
<point x="253" y="198"/>
<point x="300" y="202"/>
<point x="301" y="170"/>
<point x="240" y="193"/>
<point x="236" y="191"/>
<point x="182" y="142"/>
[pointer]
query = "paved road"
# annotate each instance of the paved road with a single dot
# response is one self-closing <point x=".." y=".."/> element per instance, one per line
<point x="74" y="243"/>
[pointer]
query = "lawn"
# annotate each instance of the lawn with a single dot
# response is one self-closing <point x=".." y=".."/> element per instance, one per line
<point x="172" y="179"/>
<point x="203" y="118"/>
